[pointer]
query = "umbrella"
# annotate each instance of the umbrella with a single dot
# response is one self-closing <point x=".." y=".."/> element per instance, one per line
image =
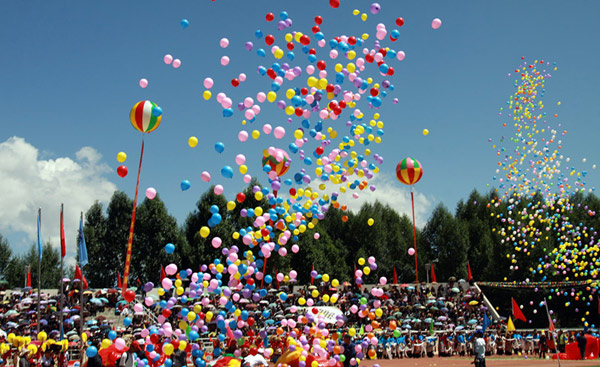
<point x="11" y="313"/>
<point x="391" y="318"/>
<point x="438" y="323"/>
<point x="95" y="301"/>
<point x="455" y="290"/>
<point x="459" y="328"/>
<point x="103" y="299"/>
<point x="428" y="320"/>
<point x="270" y="322"/>
<point x="472" y="322"/>
<point x="406" y="327"/>
<point x="26" y="301"/>
<point x="91" y="322"/>
<point x="442" y="318"/>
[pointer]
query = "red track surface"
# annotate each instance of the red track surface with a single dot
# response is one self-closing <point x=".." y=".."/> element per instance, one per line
<point x="489" y="362"/>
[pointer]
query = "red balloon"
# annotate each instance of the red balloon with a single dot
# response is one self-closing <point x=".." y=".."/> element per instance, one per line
<point x="250" y="321"/>
<point x="166" y="313"/>
<point x="129" y="295"/>
<point x="400" y="22"/>
<point x="334" y="3"/>
<point x="316" y="29"/>
<point x="154" y="338"/>
<point x="241" y="197"/>
<point x="320" y="150"/>
<point x="122" y="171"/>
<point x="352" y="40"/>
<point x="235" y="82"/>
<point x="305" y="40"/>
<point x="269" y="39"/>
<point x="270" y="17"/>
<point x="318" y="19"/>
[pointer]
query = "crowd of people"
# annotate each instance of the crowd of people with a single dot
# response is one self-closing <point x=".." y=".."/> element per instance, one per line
<point x="400" y="322"/>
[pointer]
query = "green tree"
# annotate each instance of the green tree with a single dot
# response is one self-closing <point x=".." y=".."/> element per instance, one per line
<point x="5" y="256"/>
<point x="155" y="227"/>
<point x="445" y="239"/>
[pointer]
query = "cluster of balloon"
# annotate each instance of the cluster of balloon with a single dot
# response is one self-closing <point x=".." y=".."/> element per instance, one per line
<point x="26" y="343"/>
<point x="313" y="80"/>
<point x="536" y="189"/>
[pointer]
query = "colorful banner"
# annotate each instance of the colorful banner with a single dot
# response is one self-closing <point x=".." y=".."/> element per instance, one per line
<point x="329" y="313"/>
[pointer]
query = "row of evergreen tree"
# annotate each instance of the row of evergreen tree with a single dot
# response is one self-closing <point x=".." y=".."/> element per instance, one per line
<point x="448" y="240"/>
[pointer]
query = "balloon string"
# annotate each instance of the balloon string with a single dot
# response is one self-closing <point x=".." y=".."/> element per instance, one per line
<point x="130" y="239"/>
<point x="412" y="199"/>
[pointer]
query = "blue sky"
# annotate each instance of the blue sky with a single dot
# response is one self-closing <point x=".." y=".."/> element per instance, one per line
<point x="70" y="70"/>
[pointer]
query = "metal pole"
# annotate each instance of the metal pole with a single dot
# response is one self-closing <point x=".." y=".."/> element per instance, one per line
<point x="554" y="340"/>
<point x="39" y="277"/>
<point x="60" y="295"/>
<point x="81" y="298"/>
<point x="412" y="199"/>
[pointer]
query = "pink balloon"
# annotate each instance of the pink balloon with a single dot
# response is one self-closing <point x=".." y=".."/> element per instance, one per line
<point x="216" y="242"/>
<point x="166" y="283"/>
<point x="243" y="136"/>
<point x="176" y="63"/>
<point x="267" y="128"/>
<point x="120" y="344"/>
<point x="224" y="42"/>
<point x="383" y="280"/>
<point x="240" y="159"/>
<point x="138" y="307"/>
<point x="242" y="77"/>
<point x="149" y="301"/>
<point x="279" y="132"/>
<point x="143" y="83"/>
<point x="168" y="59"/>
<point x="411" y="251"/>
<point x="205" y="176"/>
<point x="224" y="60"/>
<point x="219" y="190"/>
<point x="295" y="249"/>
<point x="208" y="83"/>
<point x="247" y="178"/>
<point x="248" y="102"/>
<point x="151" y="193"/>
<point x="171" y="269"/>
<point x="261" y="97"/>
<point x="249" y="114"/>
<point x="436" y="23"/>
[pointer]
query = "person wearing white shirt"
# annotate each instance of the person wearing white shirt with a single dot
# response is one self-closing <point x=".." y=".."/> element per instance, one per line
<point x="479" y="350"/>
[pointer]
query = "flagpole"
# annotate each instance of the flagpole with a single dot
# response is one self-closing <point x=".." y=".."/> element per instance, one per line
<point x="39" y="273"/>
<point x="552" y="332"/>
<point x="60" y="296"/>
<point x="412" y="200"/>
<point x="81" y="294"/>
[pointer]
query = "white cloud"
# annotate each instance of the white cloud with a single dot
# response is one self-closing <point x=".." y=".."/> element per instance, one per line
<point x="397" y="195"/>
<point x="29" y="182"/>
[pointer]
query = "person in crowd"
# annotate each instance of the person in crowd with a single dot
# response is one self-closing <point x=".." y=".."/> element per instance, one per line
<point x="582" y="343"/>
<point x="479" y="360"/>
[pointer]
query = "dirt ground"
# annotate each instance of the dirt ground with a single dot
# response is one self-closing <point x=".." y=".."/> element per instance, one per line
<point x="466" y="362"/>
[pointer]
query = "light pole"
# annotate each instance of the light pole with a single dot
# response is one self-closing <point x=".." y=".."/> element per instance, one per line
<point x="427" y="267"/>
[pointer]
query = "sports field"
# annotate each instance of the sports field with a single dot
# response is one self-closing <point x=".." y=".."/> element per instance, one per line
<point x="464" y="361"/>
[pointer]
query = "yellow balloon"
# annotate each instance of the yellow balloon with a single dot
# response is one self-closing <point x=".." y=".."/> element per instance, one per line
<point x="179" y="291"/>
<point x="182" y="345"/>
<point x="255" y="134"/>
<point x="230" y="205"/>
<point x="161" y="291"/>
<point x="315" y="293"/>
<point x="42" y="336"/>
<point x="168" y="349"/>
<point x="325" y="277"/>
<point x="335" y="282"/>
<point x="367" y="270"/>
<point x="207" y="94"/>
<point x="301" y="301"/>
<point x="193" y="141"/>
<point x="351" y="331"/>
<point x="370" y="221"/>
<point x="191" y="316"/>
<point x="121" y="157"/>
<point x="204" y="232"/>
<point x="106" y="343"/>
<point x="178" y="283"/>
<point x="271" y="96"/>
<point x="378" y="312"/>
<point x="209" y="315"/>
<point x="425" y="132"/>
<point x="361" y="261"/>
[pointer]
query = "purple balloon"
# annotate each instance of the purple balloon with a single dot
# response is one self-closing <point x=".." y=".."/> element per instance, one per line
<point x="249" y="45"/>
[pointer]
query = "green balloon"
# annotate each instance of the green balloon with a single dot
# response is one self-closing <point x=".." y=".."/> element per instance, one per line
<point x="397" y="333"/>
<point x="363" y="301"/>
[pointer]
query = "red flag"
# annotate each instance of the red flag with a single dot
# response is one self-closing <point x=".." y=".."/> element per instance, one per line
<point x="470" y="276"/>
<point x="551" y="324"/>
<point x="276" y="280"/>
<point x="312" y="279"/>
<point x="63" y="245"/>
<point x="517" y="313"/>
<point x="433" y="279"/>
<point x="119" y="280"/>
<point x="395" y="275"/>
<point x="79" y="275"/>
<point x="28" y="278"/>
<point x="162" y="273"/>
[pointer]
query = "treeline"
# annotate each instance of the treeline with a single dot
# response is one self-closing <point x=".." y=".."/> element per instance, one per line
<point x="448" y="240"/>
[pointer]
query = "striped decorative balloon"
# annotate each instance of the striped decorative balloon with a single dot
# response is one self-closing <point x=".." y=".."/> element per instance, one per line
<point x="142" y="118"/>
<point x="409" y="171"/>
<point x="280" y="167"/>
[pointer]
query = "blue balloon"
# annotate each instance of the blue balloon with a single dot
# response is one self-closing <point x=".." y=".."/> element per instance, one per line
<point x="219" y="147"/>
<point x="185" y="184"/>
<point x="112" y="335"/>
<point x="184" y="23"/>
<point x="214" y="209"/>
<point x="268" y="279"/>
<point x="169" y="248"/>
<point x="127" y="321"/>
<point x="91" y="351"/>
<point x="227" y="112"/>
<point x="216" y="218"/>
<point x="168" y="362"/>
<point x="227" y="172"/>
<point x="193" y="335"/>
<point x="156" y="111"/>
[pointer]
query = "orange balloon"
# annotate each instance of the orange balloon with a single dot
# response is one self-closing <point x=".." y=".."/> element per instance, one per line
<point x="344" y="218"/>
<point x="370" y="335"/>
<point x="375" y="324"/>
<point x="372" y="315"/>
<point x="279" y="331"/>
<point x="393" y="325"/>
<point x="372" y="353"/>
<point x="337" y="350"/>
